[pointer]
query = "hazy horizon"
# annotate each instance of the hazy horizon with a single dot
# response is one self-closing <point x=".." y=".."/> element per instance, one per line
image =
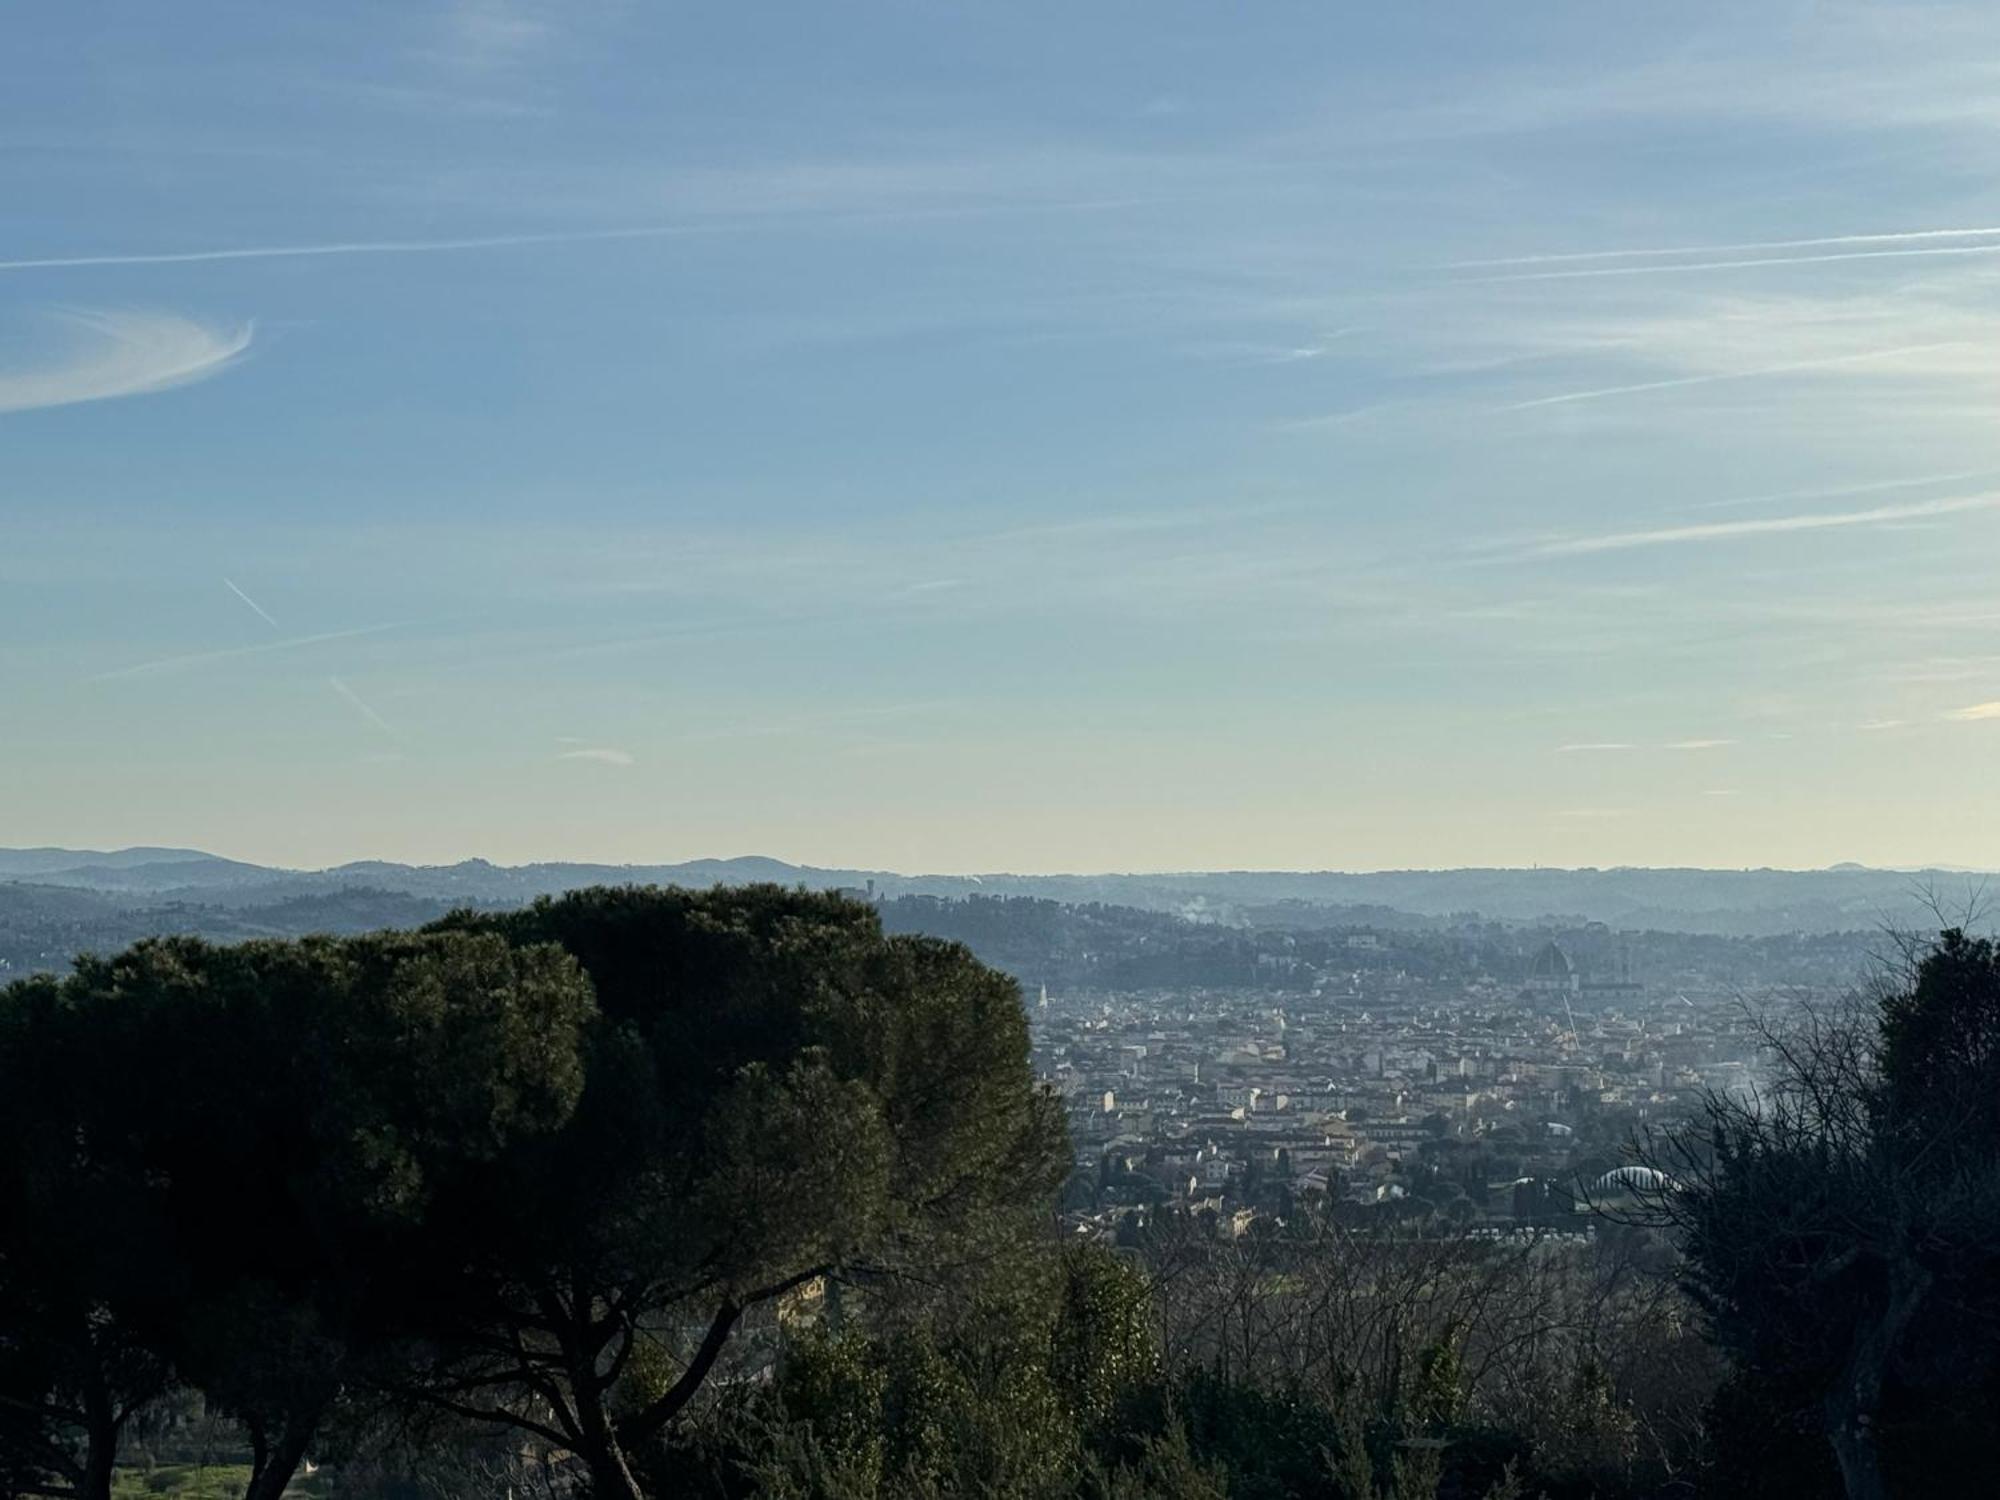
<point x="860" y="867"/>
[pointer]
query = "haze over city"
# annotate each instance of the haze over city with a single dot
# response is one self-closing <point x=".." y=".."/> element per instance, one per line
<point x="1028" y="438"/>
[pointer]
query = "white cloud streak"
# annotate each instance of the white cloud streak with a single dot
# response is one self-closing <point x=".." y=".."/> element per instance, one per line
<point x="489" y="34"/>
<point x="262" y="613"/>
<point x="746" y="221"/>
<point x="352" y="247"/>
<point x="1976" y="713"/>
<point x="1723" y="531"/>
<point x="604" y="756"/>
<point x="360" y="706"/>
<point x="1795" y="367"/>
<point x="1740" y="247"/>
<point x="123" y="354"/>
<point x="200" y="658"/>
<point x="1845" y="491"/>
<point x="1672" y="267"/>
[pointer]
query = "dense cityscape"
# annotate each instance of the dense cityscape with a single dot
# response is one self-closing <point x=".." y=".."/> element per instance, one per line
<point x="1494" y="1099"/>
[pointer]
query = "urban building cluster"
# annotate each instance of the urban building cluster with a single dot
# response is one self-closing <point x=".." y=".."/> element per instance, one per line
<point x="1488" y="1102"/>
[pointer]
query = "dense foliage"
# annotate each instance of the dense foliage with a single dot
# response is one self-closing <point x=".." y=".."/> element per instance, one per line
<point x="530" y="1171"/>
<point x="777" y="1093"/>
<point x="646" y="1193"/>
<point x="217" y="1160"/>
<point x="1843" y="1230"/>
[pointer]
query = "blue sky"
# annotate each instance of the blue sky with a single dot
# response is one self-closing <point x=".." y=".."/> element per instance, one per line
<point x="1003" y="436"/>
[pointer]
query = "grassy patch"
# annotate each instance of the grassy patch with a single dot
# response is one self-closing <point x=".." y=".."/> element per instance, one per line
<point x="197" y="1482"/>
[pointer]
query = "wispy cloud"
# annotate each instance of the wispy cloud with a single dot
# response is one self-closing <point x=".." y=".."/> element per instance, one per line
<point x="353" y="699"/>
<point x="113" y="354"/>
<point x="361" y="707"/>
<point x="262" y="613"/>
<point x="1607" y="747"/>
<point x="1723" y="531"/>
<point x="1846" y="491"/>
<point x="1682" y="267"/>
<point x="720" y="224"/>
<point x="1940" y="669"/>
<point x="200" y="658"/>
<point x="1976" y="712"/>
<point x="1736" y="247"/>
<point x="1915" y="350"/>
<point x="488" y="34"/>
<point x="1252" y="353"/>
<point x="353" y="247"/>
<point x="1848" y="68"/>
<point x="601" y="755"/>
<point x="1795" y="367"/>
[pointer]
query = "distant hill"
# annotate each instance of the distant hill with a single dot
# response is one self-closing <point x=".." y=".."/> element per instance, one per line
<point x="1725" y="902"/>
<point x="43" y="927"/>
<point x="128" y="869"/>
<point x="1088" y="946"/>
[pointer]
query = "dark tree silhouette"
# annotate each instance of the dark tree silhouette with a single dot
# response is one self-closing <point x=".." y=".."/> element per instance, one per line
<point x="236" y="1149"/>
<point x="1843" y="1226"/>
<point x="79" y="1238"/>
<point x="777" y="1093"/>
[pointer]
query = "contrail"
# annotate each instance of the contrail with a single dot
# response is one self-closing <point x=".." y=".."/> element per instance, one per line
<point x="198" y="658"/>
<point x="263" y="613"/>
<point x="552" y="237"/>
<point x="1666" y="268"/>
<point x="1717" y="531"/>
<point x="1842" y="491"/>
<point x="366" y="712"/>
<point x="353" y="247"/>
<point x="1686" y="380"/>
<point x="1901" y="236"/>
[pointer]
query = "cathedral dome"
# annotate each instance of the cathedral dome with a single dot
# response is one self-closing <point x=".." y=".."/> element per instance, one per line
<point x="1551" y="966"/>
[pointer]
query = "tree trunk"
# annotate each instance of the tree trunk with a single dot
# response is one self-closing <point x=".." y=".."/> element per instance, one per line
<point x="610" y="1475"/>
<point x="101" y="1427"/>
<point x="98" y="1463"/>
<point x="279" y="1461"/>
<point x="1852" y="1408"/>
<point x="1854" y="1451"/>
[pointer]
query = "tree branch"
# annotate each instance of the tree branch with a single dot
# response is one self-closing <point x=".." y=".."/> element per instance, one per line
<point x="645" y="1423"/>
<point x="497" y="1415"/>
